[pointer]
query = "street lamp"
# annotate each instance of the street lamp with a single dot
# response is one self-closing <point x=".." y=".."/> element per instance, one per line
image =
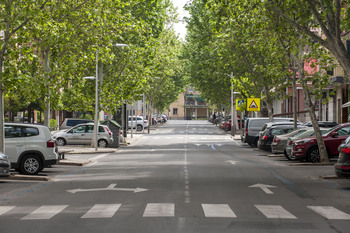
<point x="94" y="138"/>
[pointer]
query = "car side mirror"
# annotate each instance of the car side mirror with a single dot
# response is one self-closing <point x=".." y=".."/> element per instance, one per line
<point x="334" y="134"/>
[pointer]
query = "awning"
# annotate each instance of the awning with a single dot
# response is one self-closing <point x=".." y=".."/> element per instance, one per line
<point x="347" y="104"/>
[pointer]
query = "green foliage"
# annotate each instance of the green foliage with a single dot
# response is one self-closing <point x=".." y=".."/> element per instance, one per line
<point x="56" y="45"/>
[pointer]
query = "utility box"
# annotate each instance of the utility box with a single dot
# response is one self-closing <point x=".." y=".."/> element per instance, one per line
<point x="115" y="128"/>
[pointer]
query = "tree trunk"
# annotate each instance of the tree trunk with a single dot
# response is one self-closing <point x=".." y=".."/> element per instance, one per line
<point x="269" y="104"/>
<point x="311" y="110"/>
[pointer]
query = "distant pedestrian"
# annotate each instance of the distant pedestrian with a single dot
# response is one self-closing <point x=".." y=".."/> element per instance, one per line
<point x="214" y="119"/>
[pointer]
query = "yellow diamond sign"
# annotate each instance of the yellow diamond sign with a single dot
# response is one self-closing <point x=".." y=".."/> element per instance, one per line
<point x="253" y="104"/>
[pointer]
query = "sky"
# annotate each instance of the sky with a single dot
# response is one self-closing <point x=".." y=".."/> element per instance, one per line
<point x="180" y="27"/>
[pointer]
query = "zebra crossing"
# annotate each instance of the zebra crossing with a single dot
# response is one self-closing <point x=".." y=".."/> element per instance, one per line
<point x="153" y="210"/>
<point x="225" y="138"/>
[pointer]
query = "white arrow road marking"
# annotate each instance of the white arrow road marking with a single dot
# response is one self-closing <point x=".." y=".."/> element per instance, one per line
<point x="212" y="146"/>
<point x="264" y="187"/>
<point x="231" y="161"/>
<point x="197" y="144"/>
<point x="109" y="188"/>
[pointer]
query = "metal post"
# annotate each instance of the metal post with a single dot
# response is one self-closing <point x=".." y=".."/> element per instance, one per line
<point x="96" y="105"/>
<point x="233" y="131"/>
<point x="132" y="120"/>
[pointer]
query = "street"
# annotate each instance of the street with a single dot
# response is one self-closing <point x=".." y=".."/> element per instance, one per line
<point x="186" y="176"/>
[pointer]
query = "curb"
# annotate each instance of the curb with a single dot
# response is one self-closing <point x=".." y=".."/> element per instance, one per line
<point x="311" y="164"/>
<point x="275" y="155"/>
<point x="330" y="177"/>
<point x="73" y="163"/>
<point x="27" y="177"/>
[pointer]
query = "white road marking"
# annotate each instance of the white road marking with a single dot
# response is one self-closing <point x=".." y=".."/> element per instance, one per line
<point x="102" y="211"/>
<point x="159" y="210"/>
<point x="232" y="162"/>
<point x="264" y="187"/>
<point x="45" y="212"/>
<point x="4" y="209"/>
<point x="275" y="211"/>
<point x="330" y="212"/>
<point x="218" y="211"/>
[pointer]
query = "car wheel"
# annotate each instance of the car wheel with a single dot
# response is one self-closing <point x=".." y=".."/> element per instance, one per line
<point x="60" y="142"/>
<point x="313" y="155"/>
<point x="139" y="128"/>
<point x="31" y="165"/>
<point x="102" y="143"/>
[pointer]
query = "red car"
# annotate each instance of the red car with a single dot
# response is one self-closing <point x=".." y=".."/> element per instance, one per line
<point x="307" y="149"/>
<point x="227" y="124"/>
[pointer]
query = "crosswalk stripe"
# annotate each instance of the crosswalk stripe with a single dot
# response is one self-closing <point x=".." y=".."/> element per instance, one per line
<point x="4" y="209"/>
<point x="159" y="210"/>
<point x="102" y="211"/>
<point x="330" y="212"/>
<point x="275" y="211"/>
<point x="45" y="212"/>
<point x="218" y="211"/>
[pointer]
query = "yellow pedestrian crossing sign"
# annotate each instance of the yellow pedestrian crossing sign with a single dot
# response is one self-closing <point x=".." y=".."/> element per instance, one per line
<point x="253" y="104"/>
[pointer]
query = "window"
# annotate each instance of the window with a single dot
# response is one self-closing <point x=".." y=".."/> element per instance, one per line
<point x="30" y="131"/>
<point x="90" y="128"/>
<point x="344" y="131"/>
<point x="101" y="129"/>
<point x="175" y="111"/>
<point x="13" y="131"/>
<point x="79" y="129"/>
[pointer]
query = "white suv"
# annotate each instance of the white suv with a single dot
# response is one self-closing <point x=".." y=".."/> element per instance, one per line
<point x="29" y="147"/>
<point x="138" y="122"/>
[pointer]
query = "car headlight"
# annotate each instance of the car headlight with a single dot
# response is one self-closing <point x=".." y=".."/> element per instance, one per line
<point x="302" y="141"/>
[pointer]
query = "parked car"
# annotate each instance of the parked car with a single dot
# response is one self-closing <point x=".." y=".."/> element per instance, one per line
<point x="71" y="122"/>
<point x="342" y="167"/>
<point x="226" y="125"/>
<point x="5" y="165"/>
<point x="138" y="123"/>
<point x="267" y="136"/>
<point x="288" y="152"/>
<point x="323" y="124"/>
<point x="252" y="127"/>
<point x="29" y="147"/>
<point x="82" y="135"/>
<point x="279" y="142"/>
<point x="307" y="149"/>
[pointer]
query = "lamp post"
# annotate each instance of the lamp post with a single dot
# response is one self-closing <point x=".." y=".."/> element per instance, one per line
<point x="234" y="125"/>
<point x="94" y="138"/>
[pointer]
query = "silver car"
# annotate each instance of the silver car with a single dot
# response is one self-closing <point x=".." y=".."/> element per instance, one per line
<point x="5" y="165"/>
<point x="82" y="135"/>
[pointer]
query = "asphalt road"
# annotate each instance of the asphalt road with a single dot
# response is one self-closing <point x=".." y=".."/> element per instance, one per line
<point x="187" y="176"/>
